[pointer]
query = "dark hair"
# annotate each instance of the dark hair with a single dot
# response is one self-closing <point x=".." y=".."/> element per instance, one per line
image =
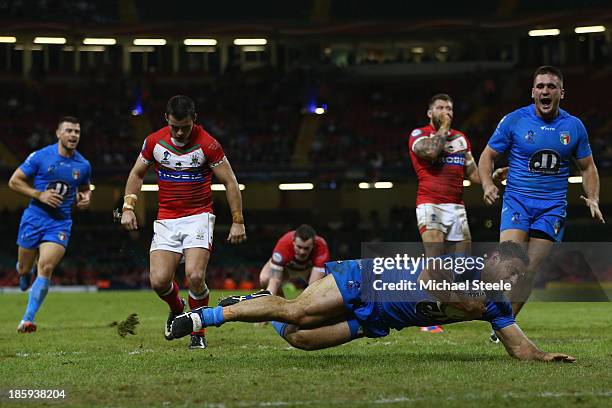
<point x="440" y="97"/>
<point x="511" y="249"/>
<point x="69" y="119"/>
<point x="548" y="69"/>
<point x="304" y="232"/>
<point x="180" y="106"/>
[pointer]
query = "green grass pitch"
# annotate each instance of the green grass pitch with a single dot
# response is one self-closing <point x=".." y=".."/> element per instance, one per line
<point x="246" y="366"/>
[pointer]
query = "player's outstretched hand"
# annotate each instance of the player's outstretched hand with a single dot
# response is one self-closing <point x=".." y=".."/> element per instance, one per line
<point x="129" y="221"/>
<point x="594" y="207"/>
<point x="558" y="357"/>
<point x="491" y="193"/>
<point x="237" y="234"/>
<point x="51" y="198"/>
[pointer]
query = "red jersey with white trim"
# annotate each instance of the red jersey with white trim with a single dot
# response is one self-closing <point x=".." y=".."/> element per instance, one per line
<point x="184" y="173"/>
<point x="440" y="181"/>
<point x="284" y="254"/>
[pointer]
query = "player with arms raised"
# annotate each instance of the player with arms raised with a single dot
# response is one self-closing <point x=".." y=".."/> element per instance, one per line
<point x="53" y="177"/>
<point x="185" y="158"/>
<point x="541" y="140"/>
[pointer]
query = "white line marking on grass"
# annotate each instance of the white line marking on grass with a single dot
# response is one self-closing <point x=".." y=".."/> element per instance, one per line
<point x="140" y="351"/>
<point x="403" y="399"/>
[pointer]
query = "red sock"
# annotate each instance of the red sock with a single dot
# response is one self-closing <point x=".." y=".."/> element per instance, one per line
<point x="173" y="299"/>
<point x="193" y="303"/>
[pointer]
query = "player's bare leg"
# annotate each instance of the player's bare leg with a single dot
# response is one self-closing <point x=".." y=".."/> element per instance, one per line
<point x="433" y="243"/>
<point x="162" y="267"/>
<point x="318" y="304"/>
<point x="50" y="255"/>
<point x="537" y="251"/>
<point x="317" y="338"/>
<point x="460" y="247"/>
<point x="196" y="261"/>
<point x="26" y="259"/>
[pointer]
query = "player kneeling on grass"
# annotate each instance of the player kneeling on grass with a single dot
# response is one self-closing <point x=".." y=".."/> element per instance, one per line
<point x="336" y="309"/>
<point x="300" y="254"/>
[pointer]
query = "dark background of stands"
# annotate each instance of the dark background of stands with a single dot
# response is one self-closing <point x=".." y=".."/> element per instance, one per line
<point x="373" y="96"/>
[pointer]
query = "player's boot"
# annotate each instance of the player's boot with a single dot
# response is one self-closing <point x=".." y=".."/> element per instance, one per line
<point x="198" y="341"/>
<point x="432" y="329"/>
<point x="26" y="280"/>
<point x="187" y="323"/>
<point x="493" y="337"/>
<point x="167" y="327"/>
<point x="232" y="300"/>
<point x="26" y="327"/>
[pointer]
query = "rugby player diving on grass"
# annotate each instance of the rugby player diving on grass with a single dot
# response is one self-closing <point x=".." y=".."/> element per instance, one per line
<point x="342" y="307"/>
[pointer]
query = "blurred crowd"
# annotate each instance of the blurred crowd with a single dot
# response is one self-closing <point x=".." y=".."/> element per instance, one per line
<point x="258" y="116"/>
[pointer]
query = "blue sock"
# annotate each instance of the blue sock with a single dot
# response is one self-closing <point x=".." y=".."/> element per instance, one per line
<point x="37" y="296"/>
<point x="212" y="316"/>
<point x="280" y="328"/>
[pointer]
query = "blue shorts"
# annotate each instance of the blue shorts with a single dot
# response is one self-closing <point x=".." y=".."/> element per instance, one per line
<point x="364" y="317"/>
<point x="36" y="228"/>
<point x="527" y="214"/>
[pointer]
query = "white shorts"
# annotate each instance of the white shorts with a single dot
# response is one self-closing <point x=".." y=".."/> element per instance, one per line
<point x="451" y="219"/>
<point x="177" y="234"/>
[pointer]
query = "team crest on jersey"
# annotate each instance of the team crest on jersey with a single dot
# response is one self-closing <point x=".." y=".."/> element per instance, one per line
<point x="564" y="137"/>
<point x="529" y="137"/>
<point x="195" y="160"/>
<point x="416" y="132"/>
<point x="76" y="173"/>
<point x="166" y="158"/>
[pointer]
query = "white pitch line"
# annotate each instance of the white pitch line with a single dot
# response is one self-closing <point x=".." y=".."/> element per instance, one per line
<point x="403" y="399"/>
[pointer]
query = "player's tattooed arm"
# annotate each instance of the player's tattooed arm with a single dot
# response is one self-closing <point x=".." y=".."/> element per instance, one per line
<point x="429" y="148"/>
<point x="521" y="348"/>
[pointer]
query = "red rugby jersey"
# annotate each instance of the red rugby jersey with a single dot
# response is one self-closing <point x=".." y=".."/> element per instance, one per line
<point x="284" y="254"/>
<point x="184" y="173"/>
<point x="440" y="181"/>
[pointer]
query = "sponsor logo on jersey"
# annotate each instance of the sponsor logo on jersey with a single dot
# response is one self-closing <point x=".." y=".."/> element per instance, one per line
<point x="516" y="218"/>
<point x="178" y="165"/>
<point x="416" y="132"/>
<point x="61" y="236"/>
<point x="564" y="137"/>
<point x="457" y="159"/>
<point x="277" y="257"/>
<point x="546" y="128"/>
<point x="59" y="187"/>
<point x="529" y="137"/>
<point x="545" y="162"/>
<point x="182" y="176"/>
